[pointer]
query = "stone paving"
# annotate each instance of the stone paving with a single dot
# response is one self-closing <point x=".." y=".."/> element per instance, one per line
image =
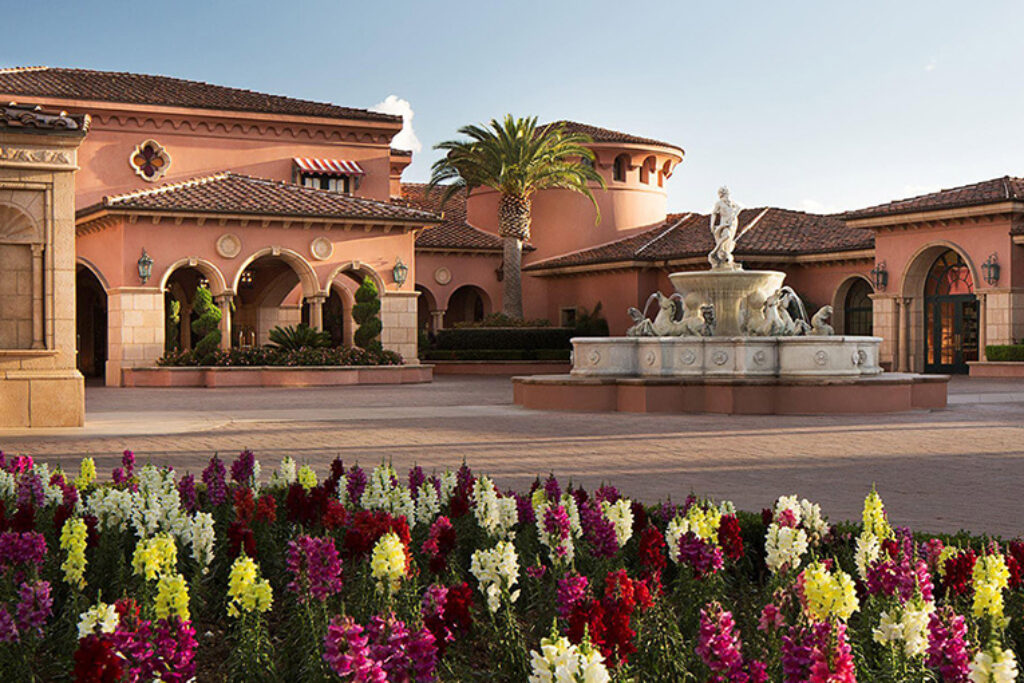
<point x="962" y="467"/>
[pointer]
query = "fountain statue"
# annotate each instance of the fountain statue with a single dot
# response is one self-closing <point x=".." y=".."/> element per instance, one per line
<point x="728" y="214"/>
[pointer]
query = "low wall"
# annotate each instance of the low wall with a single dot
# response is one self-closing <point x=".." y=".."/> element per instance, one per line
<point x="995" y="369"/>
<point x="277" y="376"/>
<point x="499" y="367"/>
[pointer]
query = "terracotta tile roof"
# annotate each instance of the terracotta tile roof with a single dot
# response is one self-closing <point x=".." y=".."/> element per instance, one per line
<point x="117" y="86"/>
<point x="607" y="135"/>
<point x="453" y="232"/>
<point x="34" y="118"/>
<point x="233" y="193"/>
<point x="776" y="232"/>
<point x="985" y="192"/>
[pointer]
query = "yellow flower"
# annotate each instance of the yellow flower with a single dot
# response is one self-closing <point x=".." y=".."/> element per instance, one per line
<point x="875" y="521"/>
<point x="829" y="594"/>
<point x="704" y="522"/>
<point x="72" y="540"/>
<point x="86" y="473"/>
<point x="990" y="577"/>
<point x="247" y="592"/>
<point x="947" y="552"/>
<point x="306" y="477"/>
<point x="172" y="597"/>
<point x="387" y="563"/>
<point x="155" y="557"/>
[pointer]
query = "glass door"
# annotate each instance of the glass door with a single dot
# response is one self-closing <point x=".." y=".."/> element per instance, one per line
<point x="951" y="324"/>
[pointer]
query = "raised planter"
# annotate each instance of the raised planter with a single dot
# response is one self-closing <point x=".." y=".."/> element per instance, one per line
<point x="996" y="369"/>
<point x="499" y="367"/>
<point x="276" y="376"/>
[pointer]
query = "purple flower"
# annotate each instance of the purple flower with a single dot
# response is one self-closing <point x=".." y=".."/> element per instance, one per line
<point x="557" y="526"/>
<point x="598" y="530"/>
<point x="416" y="479"/>
<point x="347" y="652"/>
<point x="572" y="591"/>
<point x="947" y="645"/>
<point x="796" y="655"/>
<point x="718" y="645"/>
<point x="356" y="484"/>
<point x="118" y="476"/>
<point x="552" y="489"/>
<point x="703" y="558"/>
<point x="244" y="467"/>
<point x="667" y="512"/>
<point x="34" y="606"/>
<point x="22" y="548"/>
<point x="213" y="477"/>
<point x="128" y="462"/>
<point x="187" y="492"/>
<point x="8" y="631"/>
<point x="30" y="490"/>
<point x="316" y="567"/>
<point x="607" y="493"/>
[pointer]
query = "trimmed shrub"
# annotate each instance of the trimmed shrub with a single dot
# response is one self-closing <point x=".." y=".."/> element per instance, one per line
<point x="502" y="320"/>
<point x="207" y="325"/>
<point x="1005" y="352"/>
<point x="365" y="315"/>
<point x="519" y="338"/>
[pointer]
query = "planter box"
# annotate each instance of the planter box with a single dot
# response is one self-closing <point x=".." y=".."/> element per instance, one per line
<point x="995" y="369"/>
<point x="277" y="376"/>
<point x="499" y="367"/>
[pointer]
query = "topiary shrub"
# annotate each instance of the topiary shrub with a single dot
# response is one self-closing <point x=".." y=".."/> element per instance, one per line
<point x="172" y="337"/>
<point x="301" y="336"/>
<point x="207" y="325"/>
<point x="365" y="315"/>
<point x="1005" y="353"/>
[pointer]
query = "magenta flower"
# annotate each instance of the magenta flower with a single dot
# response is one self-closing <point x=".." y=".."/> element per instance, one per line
<point x="128" y="462"/>
<point x="22" y="548"/>
<point x="558" y="526"/>
<point x="416" y="479"/>
<point x="832" y="658"/>
<point x="598" y="530"/>
<point x="35" y="604"/>
<point x="719" y="646"/>
<point x="244" y="467"/>
<point x="704" y="558"/>
<point x="347" y="652"/>
<point x="316" y="567"/>
<point x="572" y="591"/>
<point x="948" y="651"/>
<point x="187" y="492"/>
<point x="797" y="650"/>
<point x="356" y="484"/>
<point x="213" y="477"/>
<point x="8" y="631"/>
<point x="552" y="489"/>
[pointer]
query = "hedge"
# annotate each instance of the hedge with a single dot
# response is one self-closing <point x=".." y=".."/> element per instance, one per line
<point x="496" y="354"/>
<point x="515" y="338"/>
<point x="1005" y="352"/>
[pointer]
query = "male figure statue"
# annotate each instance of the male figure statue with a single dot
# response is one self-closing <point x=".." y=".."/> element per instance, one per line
<point x="728" y="213"/>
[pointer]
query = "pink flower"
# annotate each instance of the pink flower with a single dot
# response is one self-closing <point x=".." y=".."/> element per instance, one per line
<point x="315" y="567"/>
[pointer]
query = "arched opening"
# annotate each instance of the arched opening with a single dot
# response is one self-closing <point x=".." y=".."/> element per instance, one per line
<point x="646" y="169"/>
<point x="180" y="290"/>
<point x="951" y="315"/>
<point x="852" y="308"/>
<point x="334" y="318"/>
<point x="90" y="323"/>
<point x="466" y="304"/>
<point x="269" y="293"/>
<point x="620" y="168"/>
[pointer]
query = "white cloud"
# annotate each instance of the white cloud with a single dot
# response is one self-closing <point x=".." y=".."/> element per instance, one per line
<point x="406" y="138"/>
<point x="932" y="63"/>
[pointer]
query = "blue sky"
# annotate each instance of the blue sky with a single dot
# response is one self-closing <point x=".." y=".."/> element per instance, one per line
<point x="808" y="105"/>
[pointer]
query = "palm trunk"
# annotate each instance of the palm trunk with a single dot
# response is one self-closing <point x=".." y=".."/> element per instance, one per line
<point x="514" y="228"/>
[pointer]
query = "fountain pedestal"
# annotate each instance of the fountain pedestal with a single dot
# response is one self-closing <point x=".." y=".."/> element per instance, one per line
<point x="726" y="288"/>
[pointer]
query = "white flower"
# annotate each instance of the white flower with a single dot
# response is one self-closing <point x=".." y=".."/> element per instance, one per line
<point x="427" y="504"/>
<point x="285" y="474"/>
<point x="156" y="505"/>
<point x="915" y="629"/>
<point x="112" y="507"/>
<point x="8" y="485"/>
<point x="994" y="665"/>
<point x="201" y="537"/>
<point x="889" y="630"/>
<point x="791" y="503"/>
<point x="449" y="481"/>
<point x="620" y="514"/>
<point x="99" y="619"/>
<point x="496" y="516"/>
<point x="383" y="492"/>
<point x="559" y="660"/>
<point x="784" y="547"/>
<point x="497" y="571"/>
<point x="867" y="552"/>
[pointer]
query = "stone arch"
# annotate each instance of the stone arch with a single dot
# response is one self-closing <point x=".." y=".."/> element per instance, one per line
<point x="912" y="291"/>
<point x="355" y="268"/>
<point x="620" y="168"/>
<point x="648" y="167"/>
<point x="298" y="263"/>
<point x="347" y="296"/>
<point x="91" y="321"/>
<point x="96" y="272"/>
<point x="465" y="304"/>
<point x="17" y="226"/>
<point x="839" y="300"/>
<point x="218" y="286"/>
<point x="426" y="304"/>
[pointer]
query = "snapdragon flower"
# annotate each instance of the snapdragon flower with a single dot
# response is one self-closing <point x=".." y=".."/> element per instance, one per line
<point x="560" y="661"/>
<point x="388" y="562"/>
<point x="155" y="557"/>
<point x="994" y="664"/>
<point x="201" y="538"/>
<point x="784" y="547"/>
<point x="72" y="541"/>
<point x="247" y="592"/>
<point x="172" y="597"/>
<point x="496" y="516"/>
<point x="828" y="594"/>
<point x="100" y="618"/>
<point x="990" y="577"/>
<point x="497" y="571"/>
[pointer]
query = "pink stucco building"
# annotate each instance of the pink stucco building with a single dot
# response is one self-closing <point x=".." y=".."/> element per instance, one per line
<point x="281" y="206"/>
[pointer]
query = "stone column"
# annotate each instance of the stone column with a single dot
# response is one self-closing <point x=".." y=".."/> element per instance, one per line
<point x="437" y="320"/>
<point x="316" y="311"/>
<point x="223" y="302"/>
<point x="398" y="319"/>
<point x="982" y="324"/>
<point x="37" y="297"/>
<point x="135" y="329"/>
<point x="904" y="333"/>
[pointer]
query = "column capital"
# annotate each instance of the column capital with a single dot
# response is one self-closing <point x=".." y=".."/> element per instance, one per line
<point x="221" y="299"/>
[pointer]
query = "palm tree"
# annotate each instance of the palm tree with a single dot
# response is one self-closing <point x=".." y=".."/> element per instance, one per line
<point x="516" y="158"/>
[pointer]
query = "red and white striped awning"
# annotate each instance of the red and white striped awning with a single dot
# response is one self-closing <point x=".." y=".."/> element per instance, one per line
<point x="329" y="166"/>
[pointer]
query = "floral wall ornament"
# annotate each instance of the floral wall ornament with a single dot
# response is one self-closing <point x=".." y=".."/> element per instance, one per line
<point x="150" y="160"/>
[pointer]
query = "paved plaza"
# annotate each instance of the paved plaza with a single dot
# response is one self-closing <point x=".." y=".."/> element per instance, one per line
<point x="938" y="471"/>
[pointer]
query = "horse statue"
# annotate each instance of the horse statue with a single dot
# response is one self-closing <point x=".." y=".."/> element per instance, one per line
<point x="819" y="326"/>
<point x="783" y="315"/>
<point x="675" y="318"/>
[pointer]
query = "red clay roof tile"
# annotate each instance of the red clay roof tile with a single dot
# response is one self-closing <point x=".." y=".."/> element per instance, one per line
<point x="453" y="232"/>
<point x="986" y="192"/>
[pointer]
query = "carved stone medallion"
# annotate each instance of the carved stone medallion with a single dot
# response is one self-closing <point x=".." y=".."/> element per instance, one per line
<point x="688" y="357"/>
<point x="759" y="357"/>
<point x="321" y="248"/>
<point x="442" y="276"/>
<point x="821" y="358"/>
<point x="229" y="245"/>
<point x="650" y="357"/>
<point x="594" y="356"/>
<point x="719" y="358"/>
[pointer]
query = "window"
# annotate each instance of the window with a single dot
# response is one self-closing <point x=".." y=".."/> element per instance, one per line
<point x="620" y="168"/>
<point x="341" y="184"/>
<point x="646" y="169"/>
<point x="567" y="316"/>
<point x="858" y="313"/>
<point x="150" y="160"/>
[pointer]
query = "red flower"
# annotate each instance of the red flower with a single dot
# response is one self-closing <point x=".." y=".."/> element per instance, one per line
<point x="245" y="506"/>
<point x="367" y="528"/>
<point x="266" y="509"/>
<point x="959" y="573"/>
<point x="335" y="515"/>
<point x="241" y="538"/>
<point x="730" y="537"/>
<point x="651" y="552"/>
<point x="96" y="661"/>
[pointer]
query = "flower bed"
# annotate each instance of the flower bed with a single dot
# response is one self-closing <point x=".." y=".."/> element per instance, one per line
<point x="264" y="356"/>
<point x="369" y="576"/>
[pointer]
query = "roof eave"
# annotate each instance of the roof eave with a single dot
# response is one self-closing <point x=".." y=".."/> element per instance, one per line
<point x="954" y="213"/>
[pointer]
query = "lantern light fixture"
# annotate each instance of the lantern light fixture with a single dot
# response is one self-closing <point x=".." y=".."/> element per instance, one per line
<point x="880" y="276"/>
<point x="400" y="272"/>
<point x="145" y="266"/>
<point x="991" y="268"/>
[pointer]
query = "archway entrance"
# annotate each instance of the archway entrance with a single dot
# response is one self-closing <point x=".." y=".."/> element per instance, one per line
<point x="466" y="304"/>
<point x="858" y="313"/>
<point x="951" y="321"/>
<point x="179" y="302"/>
<point x="90" y="323"/>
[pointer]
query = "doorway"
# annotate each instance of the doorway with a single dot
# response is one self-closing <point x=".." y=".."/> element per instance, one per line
<point x="951" y="316"/>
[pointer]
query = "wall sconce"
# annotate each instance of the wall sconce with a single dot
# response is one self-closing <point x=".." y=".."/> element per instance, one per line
<point x="145" y="266"/>
<point x="246" y="280"/>
<point x="400" y="272"/>
<point x="991" y="268"/>
<point x="499" y="272"/>
<point x="880" y="276"/>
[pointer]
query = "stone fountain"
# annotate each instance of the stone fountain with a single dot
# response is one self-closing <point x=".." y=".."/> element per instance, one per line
<point x="729" y="340"/>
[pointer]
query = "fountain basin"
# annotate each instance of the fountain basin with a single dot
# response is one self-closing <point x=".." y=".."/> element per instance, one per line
<point x="725" y="289"/>
<point x="725" y="357"/>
